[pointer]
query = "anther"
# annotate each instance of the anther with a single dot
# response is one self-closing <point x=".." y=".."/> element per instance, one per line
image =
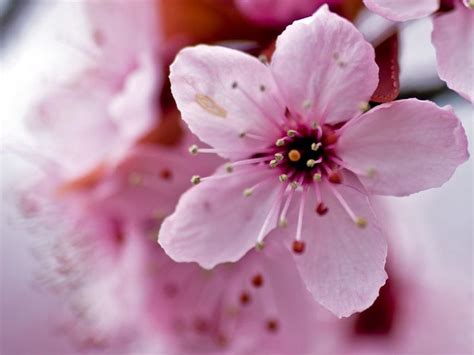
<point x="371" y="172"/>
<point x="315" y="146"/>
<point x="262" y="88"/>
<point x="193" y="149"/>
<point x="273" y="163"/>
<point x="294" y="155"/>
<point x="335" y="177"/>
<point x="364" y="106"/>
<point x="278" y="156"/>
<point x="294" y="185"/>
<point x="361" y="222"/>
<point x="306" y="104"/>
<point x="311" y="163"/>
<point x="272" y="325"/>
<point x="242" y="135"/>
<point x="470" y="4"/>
<point x="248" y="192"/>
<point x="280" y="142"/>
<point x="196" y="179"/>
<point x="257" y="280"/>
<point x="317" y="177"/>
<point x="321" y="209"/>
<point x="263" y="58"/>
<point x="244" y="298"/>
<point x="135" y="179"/>
<point x="314" y="125"/>
<point x="234" y="85"/>
<point x="298" y="246"/>
<point x="283" y="178"/>
<point x="229" y="167"/>
<point x="283" y="222"/>
<point x="291" y="133"/>
<point x="259" y="246"/>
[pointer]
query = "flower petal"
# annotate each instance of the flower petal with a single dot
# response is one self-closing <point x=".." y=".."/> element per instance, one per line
<point x="402" y="10"/>
<point x="453" y="39"/>
<point x="342" y="265"/>
<point x="324" y="67"/>
<point x="223" y="93"/>
<point x="407" y="146"/>
<point x="214" y="222"/>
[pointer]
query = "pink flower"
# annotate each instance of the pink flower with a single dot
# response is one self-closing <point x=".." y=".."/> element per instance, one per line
<point x="452" y="37"/>
<point x="102" y="110"/>
<point x="303" y="156"/>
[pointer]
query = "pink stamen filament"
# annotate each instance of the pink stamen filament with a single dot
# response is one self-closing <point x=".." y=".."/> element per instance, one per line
<point x="299" y="226"/>
<point x="343" y="203"/>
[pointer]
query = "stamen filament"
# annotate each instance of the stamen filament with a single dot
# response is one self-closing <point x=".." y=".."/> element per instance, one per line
<point x="359" y="221"/>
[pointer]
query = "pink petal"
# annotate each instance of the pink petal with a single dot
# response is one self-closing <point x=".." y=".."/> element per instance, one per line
<point x="402" y="10"/>
<point x="215" y="223"/>
<point x="408" y="145"/>
<point x="223" y="93"/>
<point x="453" y="39"/>
<point x="342" y="265"/>
<point x="324" y="67"/>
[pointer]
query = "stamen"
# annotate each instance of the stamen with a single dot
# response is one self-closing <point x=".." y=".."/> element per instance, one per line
<point x="321" y="208"/>
<point x="195" y="179"/>
<point x="272" y="325"/>
<point x="283" y="178"/>
<point x="279" y="156"/>
<point x="259" y="245"/>
<point x="292" y="133"/>
<point x="244" y="298"/>
<point x="364" y="107"/>
<point x="311" y="162"/>
<point x="248" y="192"/>
<point x="334" y="176"/>
<point x="282" y="222"/>
<point x="307" y="104"/>
<point x="315" y="146"/>
<point x="317" y="177"/>
<point x="229" y="167"/>
<point x="294" y="155"/>
<point x="294" y="185"/>
<point x="257" y="280"/>
<point x="250" y="161"/>
<point x="299" y="225"/>
<point x="314" y="125"/>
<point x="359" y="221"/>
<point x="263" y="58"/>
<point x="194" y="149"/>
<point x="298" y="247"/>
<point x="280" y="142"/>
<point x="273" y="163"/>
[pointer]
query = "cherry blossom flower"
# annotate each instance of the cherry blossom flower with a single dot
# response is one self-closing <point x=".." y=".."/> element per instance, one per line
<point x="452" y="37"/>
<point x="303" y="156"/>
<point x="112" y="100"/>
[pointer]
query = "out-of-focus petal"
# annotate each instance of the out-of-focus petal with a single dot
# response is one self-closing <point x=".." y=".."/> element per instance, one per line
<point x="402" y="10"/>
<point x="453" y="39"/>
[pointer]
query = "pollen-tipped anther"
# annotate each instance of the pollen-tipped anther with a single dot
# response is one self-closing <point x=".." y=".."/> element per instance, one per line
<point x="317" y="177"/>
<point x="298" y="247"/>
<point x="257" y="280"/>
<point x="321" y="209"/>
<point x="335" y="177"/>
<point x="361" y="222"/>
<point x="272" y="325"/>
<point x="259" y="245"/>
<point x="315" y="146"/>
<point x="273" y="163"/>
<point x="229" y="167"/>
<point x="279" y="156"/>
<point x="291" y="133"/>
<point x="306" y="104"/>
<point x="283" y="178"/>
<point x="248" y="192"/>
<point x="364" y="106"/>
<point x="263" y="58"/>
<point x="294" y="155"/>
<point x="311" y="163"/>
<point x="314" y="125"/>
<point x="194" y="149"/>
<point x="294" y="185"/>
<point x="196" y="179"/>
<point x="280" y="142"/>
<point x="283" y="222"/>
